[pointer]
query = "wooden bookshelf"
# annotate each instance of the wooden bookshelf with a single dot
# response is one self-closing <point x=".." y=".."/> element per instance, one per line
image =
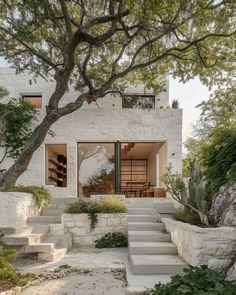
<point x="57" y="170"/>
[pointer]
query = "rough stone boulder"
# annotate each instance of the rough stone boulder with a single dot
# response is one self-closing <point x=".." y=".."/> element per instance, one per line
<point x="223" y="207"/>
<point x="231" y="274"/>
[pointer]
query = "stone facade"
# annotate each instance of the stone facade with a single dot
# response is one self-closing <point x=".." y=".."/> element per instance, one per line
<point x="15" y="207"/>
<point x="107" y="123"/>
<point x="79" y="226"/>
<point x="215" y="247"/>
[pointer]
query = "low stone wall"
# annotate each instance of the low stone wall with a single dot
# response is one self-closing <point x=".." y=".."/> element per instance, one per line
<point x="79" y="226"/>
<point x="215" y="247"/>
<point x="15" y="207"/>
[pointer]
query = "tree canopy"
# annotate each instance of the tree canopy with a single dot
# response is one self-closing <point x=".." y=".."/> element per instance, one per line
<point x="99" y="46"/>
<point x="16" y="123"/>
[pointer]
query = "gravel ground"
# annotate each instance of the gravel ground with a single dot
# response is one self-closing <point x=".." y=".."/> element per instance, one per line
<point x="96" y="282"/>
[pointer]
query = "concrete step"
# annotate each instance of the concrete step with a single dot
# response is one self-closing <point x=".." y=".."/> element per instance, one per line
<point x="148" y="236"/>
<point x="44" y="219"/>
<point x="142" y="248"/>
<point x="145" y="226"/>
<point x="12" y="229"/>
<point x="156" y="264"/>
<point x="38" y="248"/>
<point x="140" y="204"/>
<point x="141" y="211"/>
<point x="20" y="240"/>
<point x="52" y="212"/>
<point x="141" y="218"/>
<point x="165" y="209"/>
<point x="55" y="256"/>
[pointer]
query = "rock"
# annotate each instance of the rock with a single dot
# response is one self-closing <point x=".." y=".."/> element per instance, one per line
<point x="223" y="207"/>
<point x="231" y="274"/>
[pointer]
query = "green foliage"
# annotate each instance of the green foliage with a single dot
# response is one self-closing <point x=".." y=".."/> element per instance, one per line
<point x="19" y="117"/>
<point x="113" y="205"/>
<point x="175" y="104"/>
<point x="197" y="281"/>
<point x="188" y="216"/>
<point x="218" y="157"/>
<point x="192" y="198"/>
<point x="9" y="277"/>
<point x="112" y="240"/>
<point x="41" y="195"/>
<point x="92" y="208"/>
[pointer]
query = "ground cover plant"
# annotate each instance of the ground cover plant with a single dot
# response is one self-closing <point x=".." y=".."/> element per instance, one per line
<point x="92" y="208"/>
<point x="112" y="240"/>
<point x="9" y="276"/>
<point x="197" y="281"/>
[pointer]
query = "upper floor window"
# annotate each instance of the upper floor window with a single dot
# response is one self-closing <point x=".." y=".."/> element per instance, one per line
<point x="35" y="100"/>
<point x="138" y="101"/>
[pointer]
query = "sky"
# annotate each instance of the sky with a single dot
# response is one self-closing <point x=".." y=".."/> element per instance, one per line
<point x="189" y="95"/>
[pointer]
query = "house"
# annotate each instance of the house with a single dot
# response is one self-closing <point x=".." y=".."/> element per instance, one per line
<point x="115" y="145"/>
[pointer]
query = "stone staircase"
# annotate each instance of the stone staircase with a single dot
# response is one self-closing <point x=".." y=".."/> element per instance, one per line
<point x="42" y="235"/>
<point x="150" y="248"/>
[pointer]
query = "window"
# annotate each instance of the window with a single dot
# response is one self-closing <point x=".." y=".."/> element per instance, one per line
<point x="96" y="168"/>
<point x="138" y="101"/>
<point x="35" y="100"/>
<point x="56" y="165"/>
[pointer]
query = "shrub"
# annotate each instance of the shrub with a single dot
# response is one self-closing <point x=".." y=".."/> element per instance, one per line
<point x="92" y="208"/>
<point x="9" y="276"/>
<point x="218" y="157"/>
<point x="112" y="240"/>
<point x="41" y="195"/>
<point x="196" y="281"/>
<point x="187" y="215"/>
<point x="113" y="205"/>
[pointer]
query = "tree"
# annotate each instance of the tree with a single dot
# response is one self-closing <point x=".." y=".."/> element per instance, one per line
<point x="16" y="121"/>
<point x="98" y="46"/>
<point x="218" y="111"/>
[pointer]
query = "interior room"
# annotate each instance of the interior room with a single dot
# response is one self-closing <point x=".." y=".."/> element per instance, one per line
<point x="140" y="169"/>
<point x="56" y="165"/>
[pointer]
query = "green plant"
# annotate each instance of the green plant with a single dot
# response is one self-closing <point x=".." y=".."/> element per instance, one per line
<point x="92" y="208"/>
<point x="41" y="195"/>
<point x="187" y="215"/>
<point x="112" y="240"/>
<point x="175" y="104"/>
<point x="9" y="276"/>
<point x="197" y="281"/>
<point x="17" y="128"/>
<point x="193" y="198"/>
<point x="218" y="157"/>
<point x="113" y="205"/>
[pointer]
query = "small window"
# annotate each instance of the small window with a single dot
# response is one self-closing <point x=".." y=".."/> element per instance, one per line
<point x="35" y="100"/>
<point x="136" y="101"/>
<point x="56" y="165"/>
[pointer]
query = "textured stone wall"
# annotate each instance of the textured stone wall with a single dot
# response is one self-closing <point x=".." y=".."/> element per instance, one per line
<point x="79" y="226"/>
<point x="106" y="123"/>
<point x="15" y="208"/>
<point x="215" y="247"/>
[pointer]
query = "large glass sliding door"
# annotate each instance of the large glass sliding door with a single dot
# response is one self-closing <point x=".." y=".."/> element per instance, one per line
<point x="96" y="168"/>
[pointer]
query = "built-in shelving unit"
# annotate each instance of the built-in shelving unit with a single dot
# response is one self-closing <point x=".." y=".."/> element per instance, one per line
<point x="57" y="170"/>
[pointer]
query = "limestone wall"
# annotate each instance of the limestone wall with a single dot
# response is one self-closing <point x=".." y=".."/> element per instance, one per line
<point x="15" y="207"/>
<point x="106" y="123"/>
<point x="79" y="226"/>
<point x="215" y="247"/>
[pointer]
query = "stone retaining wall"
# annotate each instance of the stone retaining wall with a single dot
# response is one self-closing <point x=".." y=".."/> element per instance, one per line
<point x="15" y="207"/>
<point x="79" y="226"/>
<point x="215" y="247"/>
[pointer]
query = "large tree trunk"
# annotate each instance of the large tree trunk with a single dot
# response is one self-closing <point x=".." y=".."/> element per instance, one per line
<point x="21" y="164"/>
